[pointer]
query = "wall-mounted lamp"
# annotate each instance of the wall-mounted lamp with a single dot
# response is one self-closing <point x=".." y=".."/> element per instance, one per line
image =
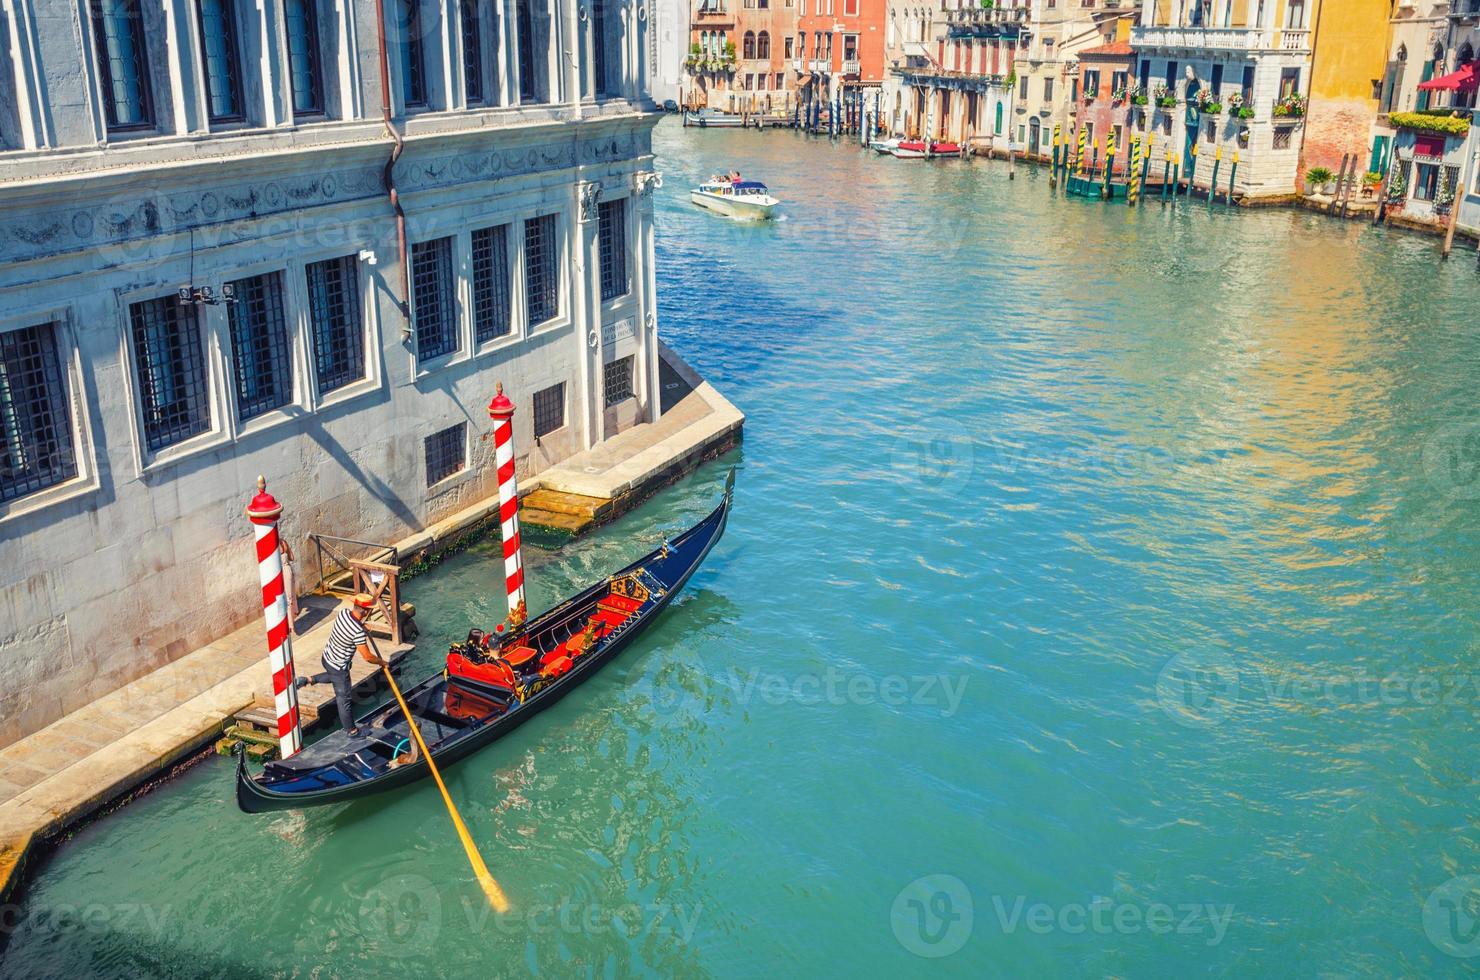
<point x="205" y="296"/>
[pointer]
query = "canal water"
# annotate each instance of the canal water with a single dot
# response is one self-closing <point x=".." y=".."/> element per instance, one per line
<point x="1099" y="599"/>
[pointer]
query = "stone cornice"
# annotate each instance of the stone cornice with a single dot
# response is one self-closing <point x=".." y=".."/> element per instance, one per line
<point x="96" y="212"/>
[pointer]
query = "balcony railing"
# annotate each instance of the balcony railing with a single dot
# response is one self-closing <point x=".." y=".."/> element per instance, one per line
<point x="850" y="66"/>
<point x="821" y="65"/>
<point x="1293" y="40"/>
<point x="993" y="15"/>
<point x="1216" y="38"/>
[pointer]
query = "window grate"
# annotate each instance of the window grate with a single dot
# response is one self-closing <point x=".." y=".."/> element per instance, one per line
<point x="219" y="60"/>
<point x="491" y="290"/>
<point x="334" y="317"/>
<point x="601" y="86"/>
<point x="612" y="222"/>
<point x="35" y="421"/>
<point x="472" y="38"/>
<point x="173" y="383"/>
<point x="446" y="453"/>
<point x="304" y="66"/>
<point x="123" y="64"/>
<point x="261" y="349"/>
<point x="431" y="290"/>
<point x="413" y="63"/>
<point x="524" y="42"/>
<point x="549" y="410"/>
<point x="1281" y="137"/>
<point x="541" y="275"/>
<point x="616" y="380"/>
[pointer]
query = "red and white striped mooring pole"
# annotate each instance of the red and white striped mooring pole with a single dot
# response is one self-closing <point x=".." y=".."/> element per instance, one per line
<point x="264" y="511"/>
<point x="501" y="410"/>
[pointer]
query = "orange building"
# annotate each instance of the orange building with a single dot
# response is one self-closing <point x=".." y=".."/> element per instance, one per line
<point x="839" y="46"/>
<point x="738" y="59"/>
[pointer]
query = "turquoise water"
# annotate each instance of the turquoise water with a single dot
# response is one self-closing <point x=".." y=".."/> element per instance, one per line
<point x="1099" y="600"/>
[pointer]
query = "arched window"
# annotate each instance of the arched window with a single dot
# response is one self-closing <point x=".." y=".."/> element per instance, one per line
<point x="747" y="49"/>
<point x="1466" y="55"/>
<point x="763" y="45"/>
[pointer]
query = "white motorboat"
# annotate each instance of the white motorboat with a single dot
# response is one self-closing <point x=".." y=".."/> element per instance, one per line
<point x="711" y="118"/>
<point x="884" y="146"/>
<point x="735" y="198"/>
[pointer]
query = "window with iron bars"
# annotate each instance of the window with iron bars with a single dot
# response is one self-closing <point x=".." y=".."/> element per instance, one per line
<point x="549" y="410"/>
<point x="413" y="61"/>
<point x="123" y="64"/>
<point x="612" y="225"/>
<point x="446" y="453"/>
<point x="35" y="419"/>
<point x="174" y="390"/>
<point x="472" y="38"/>
<point x="600" y="83"/>
<point x="432" y="296"/>
<point x="261" y="348"/>
<point x="541" y="271"/>
<point x="334" y="321"/>
<point x="305" y="65"/>
<point x="220" y="62"/>
<point x="491" y="290"/>
<point x="616" y="380"/>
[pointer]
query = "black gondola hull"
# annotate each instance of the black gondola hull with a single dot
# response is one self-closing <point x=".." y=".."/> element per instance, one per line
<point x="671" y="565"/>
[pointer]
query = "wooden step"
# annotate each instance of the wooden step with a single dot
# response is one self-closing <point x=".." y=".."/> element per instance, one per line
<point x="544" y="525"/>
<point x="560" y="502"/>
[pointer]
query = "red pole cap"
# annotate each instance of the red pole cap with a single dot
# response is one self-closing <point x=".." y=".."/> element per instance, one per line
<point x="500" y="408"/>
<point x="264" y="508"/>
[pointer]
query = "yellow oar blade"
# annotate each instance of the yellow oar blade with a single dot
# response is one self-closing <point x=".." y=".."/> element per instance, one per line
<point x="490" y="887"/>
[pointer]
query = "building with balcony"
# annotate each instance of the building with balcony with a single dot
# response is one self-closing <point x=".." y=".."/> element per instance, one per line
<point x="840" y="47"/>
<point x="1234" y="76"/>
<point x="1435" y="174"/>
<point x="993" y="74"/>
<point x="740" y="55"/>
<point x="296" y="240"/>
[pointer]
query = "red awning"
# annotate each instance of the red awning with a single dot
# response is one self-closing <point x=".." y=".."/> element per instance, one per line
<point x="1467" y="79"/>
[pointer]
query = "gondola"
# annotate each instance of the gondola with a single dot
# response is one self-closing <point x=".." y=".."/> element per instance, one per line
<point x="490" y="685"/>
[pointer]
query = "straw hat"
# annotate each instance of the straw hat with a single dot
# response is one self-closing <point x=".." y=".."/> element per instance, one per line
<point x="363" y="600"/>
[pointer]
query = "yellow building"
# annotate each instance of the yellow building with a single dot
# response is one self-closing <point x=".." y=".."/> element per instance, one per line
<point x="1349" y="54"/>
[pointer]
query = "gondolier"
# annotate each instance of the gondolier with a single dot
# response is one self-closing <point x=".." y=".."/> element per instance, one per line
<point x="347" y="638"/>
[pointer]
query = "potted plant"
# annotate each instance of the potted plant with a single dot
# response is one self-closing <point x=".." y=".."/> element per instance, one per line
<point x="1318" y="180"/>
<point x="1236" y="107"/>
<point x="1370" y="182"/>
<point x="1208" y="103"/>
<point x="1397" y="188"/>
<point x="1138" y="95"/>
<point x="1165" y="98"/>
<point x="1291" y="106"/>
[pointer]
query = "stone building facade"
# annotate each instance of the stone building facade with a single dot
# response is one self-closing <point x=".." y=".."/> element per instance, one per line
<point x="1258" y="52"/>
<point x="204" y="280"/>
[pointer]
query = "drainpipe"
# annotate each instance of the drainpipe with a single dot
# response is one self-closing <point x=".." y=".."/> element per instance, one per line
<point x="388" y="177"/>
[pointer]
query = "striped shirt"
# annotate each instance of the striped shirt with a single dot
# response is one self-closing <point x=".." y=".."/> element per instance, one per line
<point x="344" y="639"/>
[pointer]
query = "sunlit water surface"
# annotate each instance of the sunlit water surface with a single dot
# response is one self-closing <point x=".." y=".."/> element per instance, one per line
<point x="1072" y="549"/>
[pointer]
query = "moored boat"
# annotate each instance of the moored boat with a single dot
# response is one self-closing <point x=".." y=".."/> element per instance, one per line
<point x="735" y="198"/>
<point x="488" y="687"/>
<point x="709" y="118"/>
<point x="915" y="149"/>
<point x="885" y="145"/>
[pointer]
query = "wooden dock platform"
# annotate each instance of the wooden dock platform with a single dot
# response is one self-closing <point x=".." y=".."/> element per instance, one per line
<point x="316" y="701"/>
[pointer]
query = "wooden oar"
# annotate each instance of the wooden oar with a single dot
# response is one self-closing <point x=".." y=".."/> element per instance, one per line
<point x="490" y="887"/>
